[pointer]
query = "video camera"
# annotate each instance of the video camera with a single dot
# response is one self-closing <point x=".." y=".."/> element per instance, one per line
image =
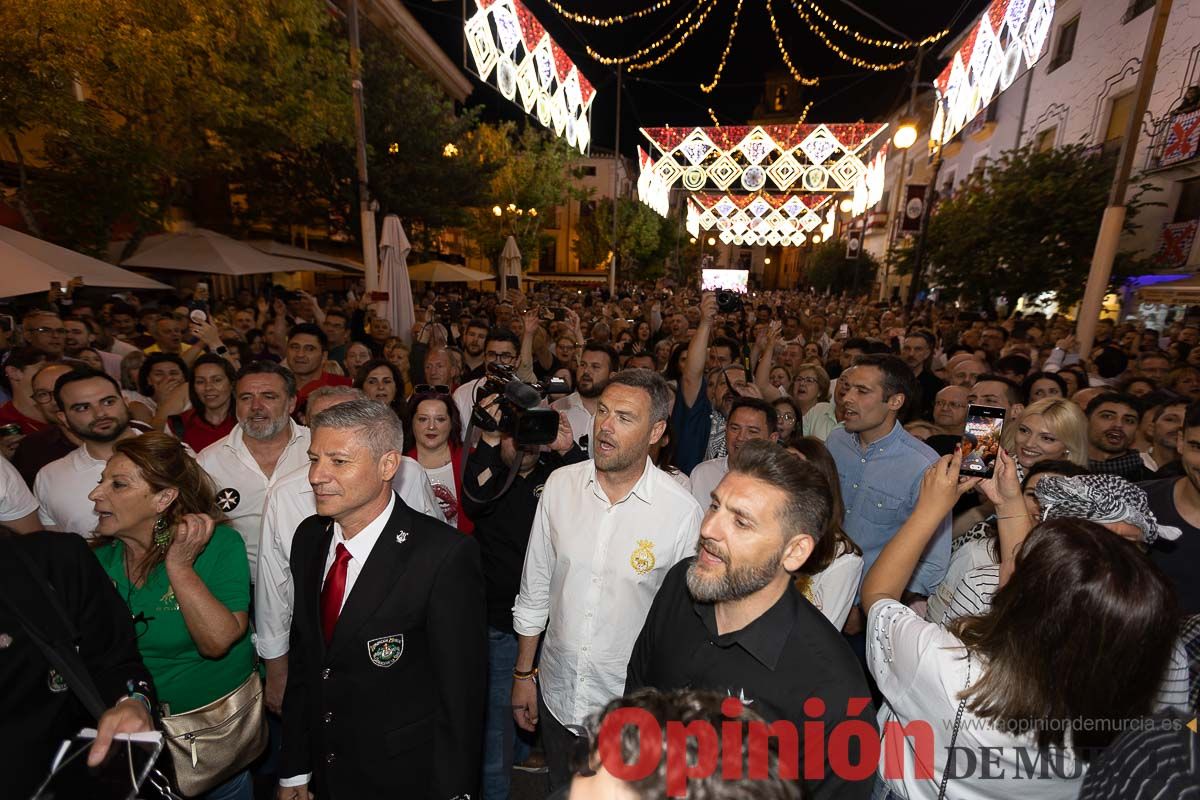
<point x="520" y="413"/>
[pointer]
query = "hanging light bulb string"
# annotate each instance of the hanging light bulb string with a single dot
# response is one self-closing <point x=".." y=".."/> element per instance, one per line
<point x="841" y="27"/>
<point x="787" y="58"/>
<point x="605" y="22"/>
<point x="716" y="78"/>
<point x="839" y="52"/>
<point x="634" y="60"/>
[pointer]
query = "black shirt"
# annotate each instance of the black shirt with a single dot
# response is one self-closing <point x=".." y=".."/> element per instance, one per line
<point x="1180" y="559"/>
<point x="930" y="385"/>
<point x="777" y="662"/>
<point x="502" y="526"/>
<point x="38" y="449"/>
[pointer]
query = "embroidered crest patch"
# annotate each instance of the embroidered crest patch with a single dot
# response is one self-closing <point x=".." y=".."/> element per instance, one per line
<point x="55" y="682"/>
<point x="228" y="499"/>
<point x="642" y="560"/>
<point x="386" y="650"/>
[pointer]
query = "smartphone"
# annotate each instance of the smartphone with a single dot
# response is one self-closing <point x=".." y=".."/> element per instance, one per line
<point x="119" y="777"/>
<point x="198" y="315"/>
<point x="844" y="331"/>
<point x="981" y="440"/>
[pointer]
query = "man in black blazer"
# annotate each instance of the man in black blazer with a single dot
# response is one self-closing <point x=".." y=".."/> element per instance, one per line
<point x="386" y="687"/>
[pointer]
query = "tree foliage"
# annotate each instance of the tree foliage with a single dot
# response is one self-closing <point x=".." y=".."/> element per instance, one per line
<point x="1026" y="225"/>
<point x="828" y="269"/>
<point x="640" y="238"/>
<point x="173" y="92"/>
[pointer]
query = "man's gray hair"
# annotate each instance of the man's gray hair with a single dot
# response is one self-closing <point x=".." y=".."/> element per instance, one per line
<point x="652" y="384"/>
<point x="380" y="428"/>
<point x="335" y="391"/>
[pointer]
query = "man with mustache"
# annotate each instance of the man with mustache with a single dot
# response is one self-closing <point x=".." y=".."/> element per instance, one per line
<point x="605" y="533"/>
<point x="730" y="619"/>
<point x="264" y="446"/>
<point x="1113" y="420"/>
<point x="596" y="364"/>
<point x="91" y="407"/>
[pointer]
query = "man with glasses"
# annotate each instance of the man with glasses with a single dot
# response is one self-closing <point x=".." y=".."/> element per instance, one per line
<point x="53" y="442"/>
<point x="502" y="348"/>
<point x="44" y="331"/>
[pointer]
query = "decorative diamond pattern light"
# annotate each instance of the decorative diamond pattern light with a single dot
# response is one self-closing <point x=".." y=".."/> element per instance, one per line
<point x="809" y="221"/>
<point x="846" y="172"/>
<point x="784" y="172"/>
<point x="756" y="147"/>
<point x="819" y="145"/>
<point x="510" y="49"/>
<point x="753" y="179"/>
<point x="816" y="179"/>
<point x="723" y="171"/>
<point x="759" y="207"/>
<point x="725" y="207"/>
<point x="694" y="178"/>
<point x="667" y="170"/>
<point x="794" y="207"/>
<point x="696" y="147"/>
<point x="756" y="219"/>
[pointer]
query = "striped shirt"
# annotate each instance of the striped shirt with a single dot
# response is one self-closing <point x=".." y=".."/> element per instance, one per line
<point x="1159" y="761"/>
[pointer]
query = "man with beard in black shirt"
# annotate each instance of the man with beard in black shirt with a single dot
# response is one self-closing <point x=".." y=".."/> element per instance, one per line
<point x="731" y="620"/>
<point x="1176" y="501"/>
<point x="502" y="525"/>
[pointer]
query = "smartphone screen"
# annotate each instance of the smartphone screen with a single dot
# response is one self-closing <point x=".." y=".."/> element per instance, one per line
<point x="119" y="776"/>
<point x="981" y="440"/>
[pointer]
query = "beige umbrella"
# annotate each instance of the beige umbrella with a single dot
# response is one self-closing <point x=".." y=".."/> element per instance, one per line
<point x="274" y="248"/>
<point x="201" y="250"/>
<point x="445" y="272"/>
<point x="29" y="264"/>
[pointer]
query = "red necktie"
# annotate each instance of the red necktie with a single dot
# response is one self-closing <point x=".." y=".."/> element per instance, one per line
<point x="333" y="591"/>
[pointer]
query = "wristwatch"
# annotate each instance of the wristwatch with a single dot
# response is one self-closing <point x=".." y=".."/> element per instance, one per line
<point x="221" y="350"/>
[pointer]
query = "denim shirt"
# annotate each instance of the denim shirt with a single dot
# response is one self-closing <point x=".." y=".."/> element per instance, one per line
<point x="880" y="486"/>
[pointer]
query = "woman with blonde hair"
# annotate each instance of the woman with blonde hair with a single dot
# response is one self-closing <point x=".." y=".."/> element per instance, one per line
<point x="186" y="581"/>
<point x="1053" y="429"/>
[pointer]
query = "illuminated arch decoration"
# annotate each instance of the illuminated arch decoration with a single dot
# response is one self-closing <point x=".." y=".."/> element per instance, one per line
<point x="757" y="219"/>
<point x="651" y="189"/>
<point x="512" y="51"/>
<point x="1007" y="39"/>
<point x="784" y="158"/>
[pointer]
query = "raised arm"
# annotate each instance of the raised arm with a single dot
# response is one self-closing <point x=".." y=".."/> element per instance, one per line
<point x="697" y="353"/>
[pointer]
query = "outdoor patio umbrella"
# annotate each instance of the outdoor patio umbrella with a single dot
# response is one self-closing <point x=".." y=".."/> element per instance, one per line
<point x="29" y="264"/>
<point x="393" y="277"/>
<point x="445" y="272"/>
<point x="201" y="250"/>
<point x="273" y="248"/>
<point x="510" y="261"/>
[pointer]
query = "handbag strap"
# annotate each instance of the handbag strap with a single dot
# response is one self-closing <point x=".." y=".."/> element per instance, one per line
<point x="962" y="706"/>
<point x="59" y="649"/>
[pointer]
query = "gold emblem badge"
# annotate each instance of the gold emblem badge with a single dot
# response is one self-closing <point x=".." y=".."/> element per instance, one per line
<point x="642" y="560"/>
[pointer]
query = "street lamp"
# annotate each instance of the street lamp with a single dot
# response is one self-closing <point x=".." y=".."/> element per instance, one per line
<point x="767" y="260"/>
<point x="711" y="241"/>
<point x="498" y="211"/>
<point x="906" y="133"/>
<point x="847" y="205"/>
<point x="816" y="238"/>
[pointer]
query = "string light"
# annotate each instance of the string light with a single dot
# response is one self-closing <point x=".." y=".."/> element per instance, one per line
<point x="842" y="54"/>
<point x="804" y="113"/>
<point x="713" y="116"/>
<point x="787" y="59"/>
<point x="604" y="22"/>
<point x="858" y="37"/>
<point x="716" y="78"/>
<point x="707" y="5"/>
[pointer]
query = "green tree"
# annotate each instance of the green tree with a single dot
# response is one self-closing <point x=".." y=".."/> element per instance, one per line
<point x="173" y="93"/>
<point x="828" y="269"/>
<point x="1026" y="225"/>
<point x="523" y="170"/>
<point x="639" y="239"/>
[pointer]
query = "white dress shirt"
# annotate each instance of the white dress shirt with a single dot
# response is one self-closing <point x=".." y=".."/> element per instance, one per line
<point x="16" y="501"/>
<point x="705" y="477"/>
<point x="360" y="547"/>
<point x="578" y="416"/>
<point x="238" y="477"/>
<point x="289" y="502"/>
<point x="591" y="571"/>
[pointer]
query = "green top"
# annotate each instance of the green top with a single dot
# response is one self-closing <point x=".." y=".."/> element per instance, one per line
<point x="185" y="679"/>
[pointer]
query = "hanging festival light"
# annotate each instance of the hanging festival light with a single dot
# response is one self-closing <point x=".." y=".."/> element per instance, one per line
<point x="604" y="22"/>
<point x="783" y="52"/>
<point x="512" y="51"/>
<point x="716" y="78"/>
<point x="760" y="219"/>
<point x="858" y="37"/>
<point x="839" y="52"/>
<point x="631" y="60"/>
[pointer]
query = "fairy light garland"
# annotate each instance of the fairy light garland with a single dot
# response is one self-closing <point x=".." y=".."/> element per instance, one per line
<point x="712" y="114"/>
<point x="839" y="52"/>
<point x="716" y="78"/>
<point x="841" y="27"/>
<point x="706" y="5"/>
<point x="605" y="22"/>
<point x="787" y="58"/>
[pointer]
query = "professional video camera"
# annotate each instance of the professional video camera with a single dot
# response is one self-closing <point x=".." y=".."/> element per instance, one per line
<point x="729" y="302"/>
<point x="520" y="412"/>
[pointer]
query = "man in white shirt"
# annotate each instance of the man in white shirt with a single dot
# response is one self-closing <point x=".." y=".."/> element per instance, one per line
<point x="18" y="506"/>
<point x="91" y="406"/>
<point x="605" y="535"/>
<point x="264" y="446"/>
<point x="749" y="418"/>
<point x="596" y="365"/>
<point x="289" y="502"/>
<point x="502" y="348"/>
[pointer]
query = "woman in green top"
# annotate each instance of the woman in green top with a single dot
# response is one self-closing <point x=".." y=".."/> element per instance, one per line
<point x="186" y="579"/>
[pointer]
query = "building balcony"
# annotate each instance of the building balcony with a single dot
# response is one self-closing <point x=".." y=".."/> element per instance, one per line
<point x="1175" y="142"/>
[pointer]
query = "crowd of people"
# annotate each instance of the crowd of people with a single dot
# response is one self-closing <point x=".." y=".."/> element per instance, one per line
<point x="331" y="543"/>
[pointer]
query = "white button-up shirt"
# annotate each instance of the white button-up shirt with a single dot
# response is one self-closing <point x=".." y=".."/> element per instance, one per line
<point x="591" y="571"/>
<point x="705" y="477"/>
<point x="577" y="414"/>
<point x="289" y="502"/>
<point x="241" y="484"/>
<point x="16" y="501"/>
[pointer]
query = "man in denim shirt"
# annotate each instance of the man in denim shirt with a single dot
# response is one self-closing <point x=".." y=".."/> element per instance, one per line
<point x="881" y="465"/>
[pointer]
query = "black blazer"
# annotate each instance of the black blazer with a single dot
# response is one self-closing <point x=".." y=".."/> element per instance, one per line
<point x="394" y="706"/>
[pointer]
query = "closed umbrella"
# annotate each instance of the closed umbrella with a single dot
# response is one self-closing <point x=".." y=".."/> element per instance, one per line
<point x="510" y="262"/>
<point x="445" y="272"/>
<point x="29" y="264"/>
<point x="201" y="250"/>
<point x="393" y="277"/>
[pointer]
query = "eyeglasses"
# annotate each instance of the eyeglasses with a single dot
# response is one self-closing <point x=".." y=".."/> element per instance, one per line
<point x="434" y="388"/>
<point x="808" y="379"/>
<point x="42" y="396"/>
<point x="57" y="331"/>
<point x="787" y="417"/>
<point x="503" y="358"/>
<point x="948" y="404"/>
